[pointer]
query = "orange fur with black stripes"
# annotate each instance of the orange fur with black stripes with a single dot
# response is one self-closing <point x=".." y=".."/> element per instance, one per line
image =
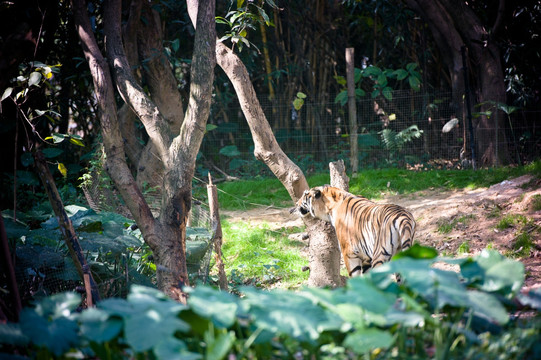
<point x="369" y="234"/>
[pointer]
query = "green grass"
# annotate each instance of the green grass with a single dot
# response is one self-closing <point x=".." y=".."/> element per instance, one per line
<point x="259" y="256"/>
<point x="511" y="220"/>
<point x="523" y="244"/>
<point x="445" y="226"/>
<point x="372" y="184"/>
<point x="536" y="202"/>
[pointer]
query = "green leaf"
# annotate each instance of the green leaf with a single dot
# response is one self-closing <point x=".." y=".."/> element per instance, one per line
<point x="301" y="95"/>
<point x="342" y="98"/>
<point x="369" y="139"/>
<point x="210" y="127"/>
<point x="415" y="83"/>
<point x="57" y="335"/>
<point x="12" y="334"/>
<point x="532" y="298"/>
<point x="359" y="92"/>
<point x="27" y="159"/>
<point x="363" y="341"/>
<point x="358" y="75"/>
<point x="492" y="272"/>
<point x="98" y="326"/>
<point x="411" y="67"/>
<point x="487" y="306"/>
<point x="372" y="71"/>
<point x="175" y="44"/>
<point x="387" y="92"/>
<point x="157" y="314"/>
<point x="76" y="140"/>
<point x="174" y="349"/>
<point x="381" y="80"/>
<point x="289" y="313"/>
<point x="298" y="103"/>
<point x="50" y="153"/>
<point x="27" y="178"/>
<point x="401" y="74"/>
<point x="6" y="93"/>
<point x="219" y="347"/>
<point x="417" y="252"/>
<point x="340" y="80"/>
<point x="221" y="307"/>
<point x="58" y="138"/>
<point x="34" y="78"/>
<point x="230" y="151"/>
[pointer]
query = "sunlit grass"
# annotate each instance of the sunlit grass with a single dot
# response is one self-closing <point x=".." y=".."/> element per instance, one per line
<point x="373" y="184"/>
<point x="260" y="256"/>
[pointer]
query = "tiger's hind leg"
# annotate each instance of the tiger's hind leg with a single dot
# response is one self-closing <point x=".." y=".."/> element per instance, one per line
<point x="354" y="265"/>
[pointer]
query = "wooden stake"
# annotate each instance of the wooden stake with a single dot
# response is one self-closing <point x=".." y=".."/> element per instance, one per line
<point x="217" y="228"/>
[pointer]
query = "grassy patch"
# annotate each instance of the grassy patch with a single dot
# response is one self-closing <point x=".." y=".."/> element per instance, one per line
<point x="523" y="244"/>
<point x="511" y="220"/>
<point x="372" y="184"/>
<point x="536" y="202"/>
<point x="464" y="248"/>
<point x="259" y="256"/>
<point x="445" y="226"/>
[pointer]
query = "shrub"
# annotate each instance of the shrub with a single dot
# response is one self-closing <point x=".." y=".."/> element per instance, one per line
<point x="433" y="313"/>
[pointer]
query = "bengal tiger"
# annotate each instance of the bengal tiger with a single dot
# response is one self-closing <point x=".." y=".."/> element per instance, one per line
<point x="369" y="234"/>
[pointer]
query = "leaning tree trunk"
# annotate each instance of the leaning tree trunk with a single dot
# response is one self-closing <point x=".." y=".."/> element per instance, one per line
<point x="266" y="147"/>
<point x="177" y="151"/>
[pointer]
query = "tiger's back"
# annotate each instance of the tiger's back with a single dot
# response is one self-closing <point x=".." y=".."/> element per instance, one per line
<point x="369" y="234"/>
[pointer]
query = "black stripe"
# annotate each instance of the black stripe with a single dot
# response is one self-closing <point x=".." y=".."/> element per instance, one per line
<point x="356" y="268"/>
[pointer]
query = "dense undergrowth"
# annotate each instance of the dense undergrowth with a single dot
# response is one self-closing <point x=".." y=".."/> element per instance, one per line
<point x="475" y="313"/>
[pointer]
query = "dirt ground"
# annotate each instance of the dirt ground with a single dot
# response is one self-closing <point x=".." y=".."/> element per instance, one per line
<point x="470" y="216"/>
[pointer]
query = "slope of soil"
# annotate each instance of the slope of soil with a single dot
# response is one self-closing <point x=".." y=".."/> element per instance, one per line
<point x="458" y="223"/>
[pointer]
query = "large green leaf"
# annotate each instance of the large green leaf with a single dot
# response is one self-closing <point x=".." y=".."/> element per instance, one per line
<point x="218" y="347"/>
<point x="487" y="306"/>
<point x="418" y="252"/>
<point x="97" y="325"/>
<point x="364" y="340"/>
<point x="172" y="348"/>
<point x="492" y="272"/>
<point x="158" y="315"/>
<point x="289" y="313"/>
<point x="532" y="298"/>
<point x="57" y="335"/>
<point x="221" y="307"/>
<point x="230" y="151"/>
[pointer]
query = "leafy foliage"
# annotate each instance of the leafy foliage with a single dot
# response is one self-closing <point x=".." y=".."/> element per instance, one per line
<point x="114" y="249"/>
<point x="433" y="313"/>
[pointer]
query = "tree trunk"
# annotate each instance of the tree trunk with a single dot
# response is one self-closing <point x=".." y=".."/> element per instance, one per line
<point x="454" y="24"/>
<point x="352" y="110"/>
<point x="165" y="235"/>
<point x="266" y="147"/>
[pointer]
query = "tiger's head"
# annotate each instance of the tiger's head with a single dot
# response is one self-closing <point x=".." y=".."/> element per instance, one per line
<point x="317" y="202"/>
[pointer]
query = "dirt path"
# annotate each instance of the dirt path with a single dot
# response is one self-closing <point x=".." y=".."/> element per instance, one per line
<point x="460" y="223"/>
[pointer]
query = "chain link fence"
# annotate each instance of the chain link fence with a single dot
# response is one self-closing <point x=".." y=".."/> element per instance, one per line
<point x="407" y="130"/>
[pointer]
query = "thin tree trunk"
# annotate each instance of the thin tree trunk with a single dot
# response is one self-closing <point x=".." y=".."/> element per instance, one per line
<point x="65" y="225"/>
<point x="352" y="111"/>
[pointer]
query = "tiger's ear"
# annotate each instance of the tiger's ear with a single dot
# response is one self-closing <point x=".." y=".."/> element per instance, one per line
<point x="317" y="194"/>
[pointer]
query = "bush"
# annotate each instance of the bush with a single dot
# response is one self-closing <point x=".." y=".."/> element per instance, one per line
<point x="433" y="313"/>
